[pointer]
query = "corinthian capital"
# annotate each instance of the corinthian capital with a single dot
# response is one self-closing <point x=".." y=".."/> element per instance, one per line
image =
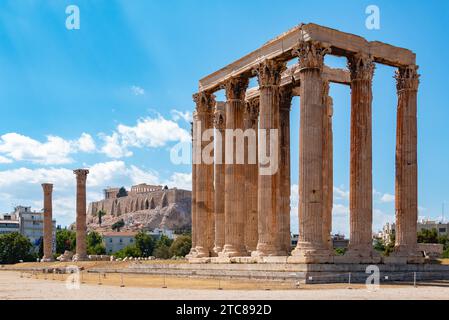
<point x="235" y="88"/>
<point x="204" y="102"/>
<point x="407" y="78"/>
<point x="285" y="97"/>
<point x="361" y="67"/>
<point x="269" y="72"/>
<point x="311" y="54"/>
<point x="251" y="111"/>
<point x="220" y="116"/>
<point x="47" y="187"/>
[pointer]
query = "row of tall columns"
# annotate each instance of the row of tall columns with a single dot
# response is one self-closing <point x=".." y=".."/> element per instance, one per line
<point x="81" y="229"/>
<point x="251" y="211"/>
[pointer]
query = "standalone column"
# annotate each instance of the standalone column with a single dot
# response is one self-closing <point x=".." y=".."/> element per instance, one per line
<point x="406" y="166"/>
<point x="360" y="248"/>
<point x="285" y="98"/>
<point x="192" y="252"/>
<point x="235" y="216"/>
<point x="219" y="176"/>
<point x="204" y="175"/>
<point x="269" y="243"/>
<point x="81" y="230"/>
<point x="250" y="119"/>
<point x="311" y="246"/>
<point x="327" y="166"/>
<point x="48" y="223"/>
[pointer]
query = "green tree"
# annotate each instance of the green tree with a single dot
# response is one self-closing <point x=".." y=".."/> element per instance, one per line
<point x="164" y="240"/>
<point x="428" y="236"/>
<point x="15" y="247"/>
<point x="65" y="240"/>
<point x="129" y="251"/>
<point x="122" y="193"/>
<point x="99" y="214"/>
<point x="162" y="251"/>
<point x="181" y="246"/>
<point x="41" y="248"/>
<point x="118" y="225"/>
<point x="340" y="251"/>
<point x="145" y="243"/>
<point x="95" y="243"/>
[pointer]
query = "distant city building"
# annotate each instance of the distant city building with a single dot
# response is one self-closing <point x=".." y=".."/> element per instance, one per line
<point x="31" y="225"/>
<point x="116" y="241"/>
<point x="8" y="224"/>
<point x="338" y="241"/>
<point x="441" y="228"/>
<point x="388" y="229"/>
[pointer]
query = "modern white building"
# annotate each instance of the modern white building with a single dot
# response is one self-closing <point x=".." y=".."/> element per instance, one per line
<point x="8" y="224"/>
<point x="32" y="225"/>
<point x="389" y="229"/>
<point x="115" y="241"/>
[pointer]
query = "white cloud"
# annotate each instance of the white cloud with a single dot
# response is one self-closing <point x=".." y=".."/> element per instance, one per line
<point x="177" y="115"/>
<point x="387" y="198"/>
<point x="19" y="147"/>
<point x="5" y="160"/>
<point x="340" y="193"/>
<point x="148" y="132"/>
<point x="55" y="150"/>
<point x="113" y="147"/>
<point x="138" y="91"/>
<point x="86" y="143"/>
<point x="180" y="180"/>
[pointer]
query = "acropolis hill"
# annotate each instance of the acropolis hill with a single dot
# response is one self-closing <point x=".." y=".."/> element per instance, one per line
<point x="145" y="207"/>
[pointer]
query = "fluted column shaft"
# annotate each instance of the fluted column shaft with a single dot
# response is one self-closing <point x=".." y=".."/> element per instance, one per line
<point x="219" y="176"/>
<point x="81" y="229"/>
<point x="406" y="188"/>
<point x="235" y="216"/>
<point x="194" y="182"/>
<point x="251" y="120"/>
<point x="48" y="222"/>
<point x="311" y="246"/>
<point x="205" y="234"/>
<point x="284" y="167"/>
<point x="269" y="205"/>
<point x="327" y="166"/>
<point x="361" y="187"/>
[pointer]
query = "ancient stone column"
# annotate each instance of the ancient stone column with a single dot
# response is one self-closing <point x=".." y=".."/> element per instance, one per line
<point x="327" y="166"/>
<point x="311" y="246"/>
<point x="360" y="249"/>
<point x="406" y="188"/>
<point x="205" y="234"/>
<point x="235" y="216"/>
<point x="192" y="252"/>
<point x="250" y="123"/>
<point x="269" y="243"/>
<point x="285" y="100"/>
<point x="81" y="229"/>
<point x="48" y="223"/>
<point x="219" y="176"/>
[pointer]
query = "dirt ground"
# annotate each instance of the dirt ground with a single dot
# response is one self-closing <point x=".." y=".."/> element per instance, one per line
<point x="19" y="285"/>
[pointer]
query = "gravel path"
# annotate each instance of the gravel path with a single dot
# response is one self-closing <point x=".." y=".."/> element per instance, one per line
<point x="12" y="286"/>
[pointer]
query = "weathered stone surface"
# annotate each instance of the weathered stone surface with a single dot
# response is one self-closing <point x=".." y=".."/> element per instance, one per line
<point x="81" y="228"/>
<point x="48" y="222"/>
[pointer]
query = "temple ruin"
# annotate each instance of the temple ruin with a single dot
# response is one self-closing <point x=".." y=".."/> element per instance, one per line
<point x="241" y="215"/>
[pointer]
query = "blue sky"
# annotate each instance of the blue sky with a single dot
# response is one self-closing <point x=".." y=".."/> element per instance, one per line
<point x="115" y="95"/>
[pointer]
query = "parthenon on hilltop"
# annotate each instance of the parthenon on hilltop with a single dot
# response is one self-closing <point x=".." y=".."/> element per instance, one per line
<point x="242" y="215"/>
